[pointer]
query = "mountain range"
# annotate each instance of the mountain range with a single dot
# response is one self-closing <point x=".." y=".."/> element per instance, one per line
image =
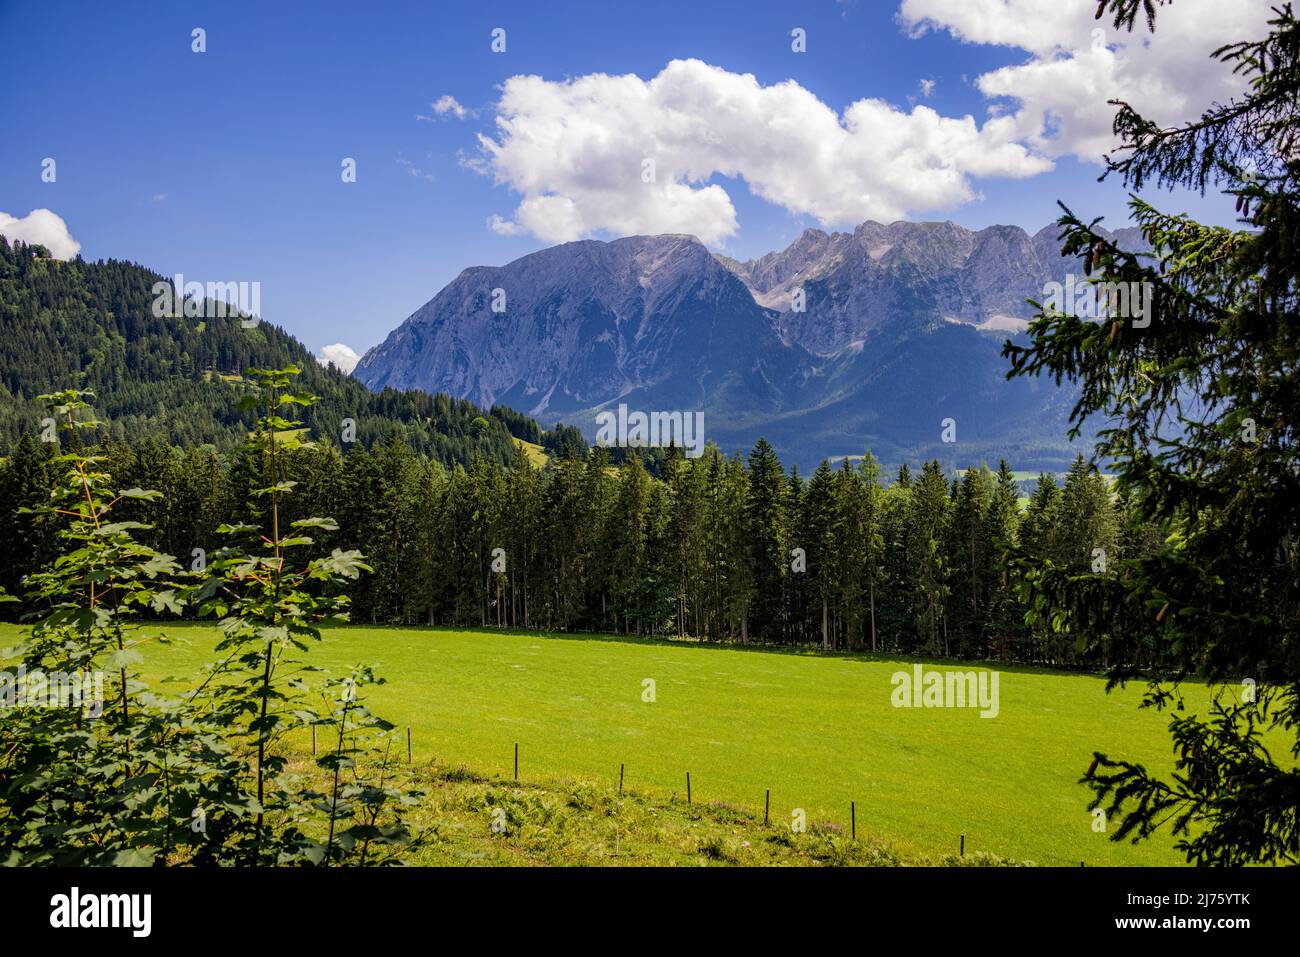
<point x="840" y="343"/>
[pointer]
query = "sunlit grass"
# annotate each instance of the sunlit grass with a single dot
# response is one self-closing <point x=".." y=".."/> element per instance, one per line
<point x="818" y="731"/>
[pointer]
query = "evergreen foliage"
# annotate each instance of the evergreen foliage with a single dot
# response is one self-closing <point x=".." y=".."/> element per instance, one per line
<point x="1201" y="406"/>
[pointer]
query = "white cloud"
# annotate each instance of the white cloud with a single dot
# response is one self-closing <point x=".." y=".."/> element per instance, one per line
<point x="444" y="106"/>
<point x="343" y="356"/>
<point x="447" y="104"/>
<point x="576" y="151"/>
<point x="1077" y="63"/>
<point x="42" y="227"/>
<point x="927" y="87"/>
<point x="503" y="227"/>
<point x="1038" y="26"/>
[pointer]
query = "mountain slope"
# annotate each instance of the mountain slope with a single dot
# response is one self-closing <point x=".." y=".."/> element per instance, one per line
<point x="853" y="281"/>
<point x="91" y="326"/>
<point x="902" y="328"/>
<point x="651" y="320"/>
<point x="893" y="390"/>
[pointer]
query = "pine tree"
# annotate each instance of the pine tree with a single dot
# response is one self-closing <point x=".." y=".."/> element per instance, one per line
<point x="688" y="544"/>
<point x="765" y="518"/>
<point x="874" y="530"/>
<point x="26" y="478"/>
<point x="1038" y="531"/>
<point x="1222" y="477"/>
<point x="896" y="613"/>
<point x="970" y="561"/>
<point x="851" y="555"/>
<point x="927" y="530"/>
<point x="1005" y="627"/>
<point x="1086" y="530"/>
<point x="523" y="491"/>
<point x="816" y="537"/>
<point x="630" y="542"/>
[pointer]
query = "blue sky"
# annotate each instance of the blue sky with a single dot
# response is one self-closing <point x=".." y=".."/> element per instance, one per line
<point x="225" y="165"/>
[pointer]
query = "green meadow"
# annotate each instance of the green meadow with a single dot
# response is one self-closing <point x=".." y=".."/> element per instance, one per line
<point x="819" y="731"/>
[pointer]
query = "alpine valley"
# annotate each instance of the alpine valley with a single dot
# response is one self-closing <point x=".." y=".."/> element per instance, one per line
<point x="902" y="327"/>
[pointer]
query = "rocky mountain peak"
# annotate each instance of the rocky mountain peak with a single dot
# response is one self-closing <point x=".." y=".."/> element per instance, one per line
<point x="891" y="313"/>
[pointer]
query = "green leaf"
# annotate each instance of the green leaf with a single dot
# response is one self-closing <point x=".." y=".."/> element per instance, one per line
<point x="139" y="493"/>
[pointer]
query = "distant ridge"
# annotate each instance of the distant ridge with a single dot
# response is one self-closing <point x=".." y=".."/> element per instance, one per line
<point x="902" y="327"/>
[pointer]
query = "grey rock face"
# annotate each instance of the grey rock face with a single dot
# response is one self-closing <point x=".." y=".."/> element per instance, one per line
<point x="898" y="319"/>
<point x="852" y="282"/>
<point x="587" y="323"/>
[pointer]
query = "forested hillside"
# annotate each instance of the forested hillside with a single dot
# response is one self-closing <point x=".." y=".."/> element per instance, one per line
<point x="91" y="326"/>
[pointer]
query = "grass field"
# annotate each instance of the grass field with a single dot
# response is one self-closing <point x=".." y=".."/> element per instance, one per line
<point x="536" y="454"/>
<point x="573" y="822"/>
<point x="819" y="731"/>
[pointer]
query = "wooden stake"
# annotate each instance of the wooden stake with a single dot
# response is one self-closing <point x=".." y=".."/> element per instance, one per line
<point x="767" y="804"/>
<point x="620" y="780"/>
<point x="688" y="787"/>
<point x="313" y="739"/>
<point x="963" y="845"/>
<point x="408" y="744"/>
<point x="516" y="760"/>
<point x="853" y="820"/>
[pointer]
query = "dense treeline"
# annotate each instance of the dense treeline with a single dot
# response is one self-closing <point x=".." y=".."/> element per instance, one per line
<point x="719" y="548"/>
<point x="92" y="325"/>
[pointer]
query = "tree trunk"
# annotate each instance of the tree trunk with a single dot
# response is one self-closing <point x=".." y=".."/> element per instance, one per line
<point x="873" y="617"/>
